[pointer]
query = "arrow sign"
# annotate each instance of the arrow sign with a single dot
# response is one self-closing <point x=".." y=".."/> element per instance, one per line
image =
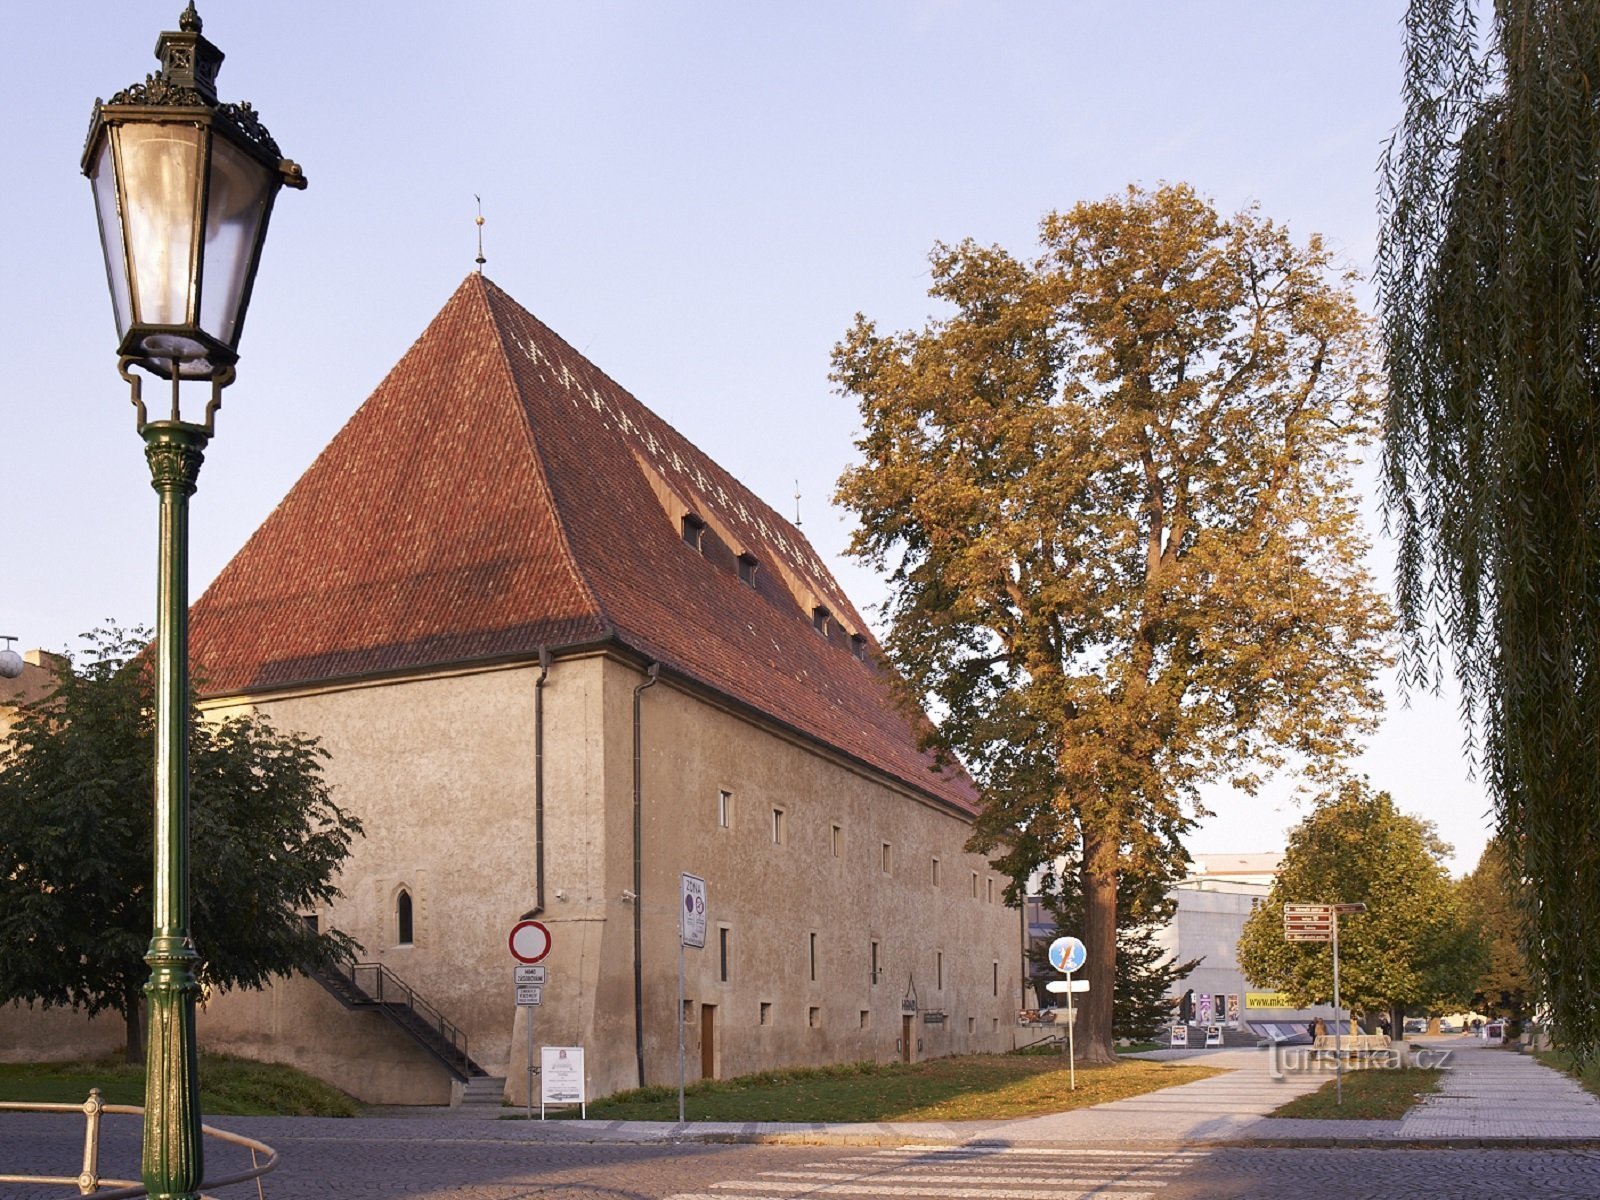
<point x="1067" y="985"/>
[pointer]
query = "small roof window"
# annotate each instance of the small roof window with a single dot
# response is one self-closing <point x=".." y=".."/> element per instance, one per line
<point x="858" y="646"/>
<point x="748" y="566"/>
<point x="820" y="617"/>
<point x="693" y="531"/>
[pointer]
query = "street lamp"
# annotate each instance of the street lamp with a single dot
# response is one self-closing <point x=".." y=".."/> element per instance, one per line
<point x="183" y="187"/>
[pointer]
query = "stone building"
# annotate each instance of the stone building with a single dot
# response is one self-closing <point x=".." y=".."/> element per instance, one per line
<point x="559" y="657"/>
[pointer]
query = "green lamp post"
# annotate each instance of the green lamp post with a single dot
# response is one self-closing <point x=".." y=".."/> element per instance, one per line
<point x="183" y="187"/>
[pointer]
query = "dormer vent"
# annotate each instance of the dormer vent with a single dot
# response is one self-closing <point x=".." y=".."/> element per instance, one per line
<point x="693" y="532"/>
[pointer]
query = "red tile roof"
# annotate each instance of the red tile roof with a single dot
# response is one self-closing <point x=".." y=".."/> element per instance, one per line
<point x="498" y="492"/>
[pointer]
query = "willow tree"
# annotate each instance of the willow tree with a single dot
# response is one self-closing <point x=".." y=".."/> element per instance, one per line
<point x="1111" y="487"/>
<point x="1489" y="273"/>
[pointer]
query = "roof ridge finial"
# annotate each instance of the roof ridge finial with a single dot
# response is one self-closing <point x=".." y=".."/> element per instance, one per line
<point x="190" y="21"/>
<point x="481" y="260"/>
<point x="797" y="504"/>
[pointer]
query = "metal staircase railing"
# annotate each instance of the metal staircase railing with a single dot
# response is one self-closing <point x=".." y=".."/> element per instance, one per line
<point x="375" y="986"/>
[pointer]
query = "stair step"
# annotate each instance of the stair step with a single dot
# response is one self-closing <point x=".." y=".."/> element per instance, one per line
<point x="483" y="1089"/>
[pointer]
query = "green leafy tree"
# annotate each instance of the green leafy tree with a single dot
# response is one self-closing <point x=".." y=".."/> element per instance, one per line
<point x="1496" y="903"/>
<point x="1111" y="489"/>
<point x="76" y="817"/>
<point x="1489" y="280"/>
<point x="1413" y="946"/>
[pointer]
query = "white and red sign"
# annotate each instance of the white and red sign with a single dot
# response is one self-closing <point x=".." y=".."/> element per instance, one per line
<point x="530" y="941"/>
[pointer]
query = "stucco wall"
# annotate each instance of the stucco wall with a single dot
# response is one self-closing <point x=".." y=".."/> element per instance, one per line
<point x="441" y="772"/>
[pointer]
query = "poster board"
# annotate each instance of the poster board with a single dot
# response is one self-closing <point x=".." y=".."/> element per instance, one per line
<point x="561" y="1078"/>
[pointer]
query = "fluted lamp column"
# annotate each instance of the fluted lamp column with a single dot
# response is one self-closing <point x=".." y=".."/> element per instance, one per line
<point x="183" y="188"/>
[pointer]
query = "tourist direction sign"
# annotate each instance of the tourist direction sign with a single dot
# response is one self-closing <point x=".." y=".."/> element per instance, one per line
<point x="1308" y="922"/>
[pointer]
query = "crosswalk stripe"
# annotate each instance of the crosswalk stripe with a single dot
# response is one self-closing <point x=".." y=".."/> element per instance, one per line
<point x="1037" y="1152"/>
<point x="761" y="1188"/>
<point x="1031" y="1170"/>
<point x="950" y="1176"/>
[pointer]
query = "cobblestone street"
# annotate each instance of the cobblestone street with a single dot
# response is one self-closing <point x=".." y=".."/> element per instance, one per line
<point x="427" y="1160"/>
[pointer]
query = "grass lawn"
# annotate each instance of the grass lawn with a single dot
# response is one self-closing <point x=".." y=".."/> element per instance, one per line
<point x="1588" y="1075"/>
<point x="232" y="1087"/>
<point x="979" y="1087"/>
<point x="1373" y="1094"/>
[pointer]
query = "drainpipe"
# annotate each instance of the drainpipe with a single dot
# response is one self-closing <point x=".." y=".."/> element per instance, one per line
<point x="653" y="672"/>
<point x="538" y="784"/>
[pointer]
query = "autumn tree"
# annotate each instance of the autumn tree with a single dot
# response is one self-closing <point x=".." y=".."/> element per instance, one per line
<point x="1111" y="490"/>
<point x="1489" y="282"/>
<point x="1413" y="946"/>
<point x="1495" y="901"/>
<point x="76" y="820"/>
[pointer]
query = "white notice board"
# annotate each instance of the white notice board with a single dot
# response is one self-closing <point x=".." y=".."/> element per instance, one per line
<point x="561" y="1078"/>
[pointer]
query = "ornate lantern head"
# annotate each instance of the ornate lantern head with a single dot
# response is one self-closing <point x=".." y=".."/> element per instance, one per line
<point x="183" y="188"/>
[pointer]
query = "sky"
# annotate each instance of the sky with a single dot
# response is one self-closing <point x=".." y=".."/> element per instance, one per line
<point x="698" y="196"/>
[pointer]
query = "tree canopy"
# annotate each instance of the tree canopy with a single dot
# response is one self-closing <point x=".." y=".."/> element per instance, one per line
<point x="1496" y="902"/>
<point x="1414" y="945"/>
<point x="1111" y="489"/>
<point x="76" y="818"/>
<point x="1489" y="282"/>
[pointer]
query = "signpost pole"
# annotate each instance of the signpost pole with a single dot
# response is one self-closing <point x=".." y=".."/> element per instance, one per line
<point x="1072" y="1052"/>
<point x="1338" y="1055"/>
<point x="680" y="1029"/>
<point x="530" y="1063"/>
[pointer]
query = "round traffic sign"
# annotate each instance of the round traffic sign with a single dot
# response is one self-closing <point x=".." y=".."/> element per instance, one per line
<point x="1067" y="954"/>
<point x="530" y="941"/>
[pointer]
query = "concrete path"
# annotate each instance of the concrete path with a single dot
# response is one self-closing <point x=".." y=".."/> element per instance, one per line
<point x="1490" y="1096"/>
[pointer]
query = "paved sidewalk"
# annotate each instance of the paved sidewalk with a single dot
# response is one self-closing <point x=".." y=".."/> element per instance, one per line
<point x="1491" y="1096"/>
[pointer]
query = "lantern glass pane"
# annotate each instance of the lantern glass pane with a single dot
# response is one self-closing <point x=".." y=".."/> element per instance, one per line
<point x="160" y="188"/>
<point x="103" y="175"/>
<point x="236" y="207"/>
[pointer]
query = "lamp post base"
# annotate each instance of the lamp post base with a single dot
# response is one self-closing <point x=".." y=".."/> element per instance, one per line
<point x="173" y="1159"/>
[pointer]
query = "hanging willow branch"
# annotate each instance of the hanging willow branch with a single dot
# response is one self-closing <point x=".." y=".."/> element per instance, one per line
<point x="1489" y="288"/>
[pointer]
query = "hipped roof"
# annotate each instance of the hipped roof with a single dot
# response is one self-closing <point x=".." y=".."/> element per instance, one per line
<point x="498" y="493"/>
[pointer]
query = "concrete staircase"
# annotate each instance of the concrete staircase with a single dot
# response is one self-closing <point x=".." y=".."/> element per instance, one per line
<point x="483" y="1091"/>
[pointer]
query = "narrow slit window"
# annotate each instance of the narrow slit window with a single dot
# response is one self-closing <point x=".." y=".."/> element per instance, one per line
<point x="933" y="873"/>
<point x="938" y="970"/>
<point x="777" y="827"/>
<point x="722" y="953"/>
<point x="724" y="810"/>
<point x="838" y="841"/>
<point x="874" y="967"/>
<point x="886" y="859"/>
<point x="404" y="927"/>
<point x="813" y="957"/>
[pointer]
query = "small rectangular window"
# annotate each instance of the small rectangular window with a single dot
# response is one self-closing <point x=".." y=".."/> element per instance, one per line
<point x="722" y="953"/>
<point x="988" y="894"/>
<point x="693" y="531"/>
<point x="934" y="873"/>
<point x="866" y="1018"/>
<point x="858" y="646"/>
<point x="813" y="938"/>
<point x="766" y="1012"/>
<point x="886" y="859"/>
<point x="688" y="1011"/>
<point x="725" y="810"/>
<point x="814" y="1017"/>
<point x="974" y="885"/>
<point x="747" y="569"/>
<point x="873" y="969"/>
<point x="820" y="617"/>
<point x="777" y="827"/>
<point x="838" y="841"/>
<point x="972" y="1025"/>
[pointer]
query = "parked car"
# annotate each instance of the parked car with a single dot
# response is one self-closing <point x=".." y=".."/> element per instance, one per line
<point x="1416" y="1025"/>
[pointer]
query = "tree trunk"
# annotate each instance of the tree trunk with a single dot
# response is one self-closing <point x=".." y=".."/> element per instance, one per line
<point x="1098" y="876"/>
<point x="133" y="1019"/>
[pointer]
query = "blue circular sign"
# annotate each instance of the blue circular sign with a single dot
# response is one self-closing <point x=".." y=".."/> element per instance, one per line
<point x="1067" y="954"/>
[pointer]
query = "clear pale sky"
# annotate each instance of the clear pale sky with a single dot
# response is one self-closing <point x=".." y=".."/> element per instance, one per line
<point x="698" y="196"/>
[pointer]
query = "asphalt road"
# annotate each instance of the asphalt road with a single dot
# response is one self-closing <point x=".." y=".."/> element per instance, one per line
<point x="491" y="1161"/>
